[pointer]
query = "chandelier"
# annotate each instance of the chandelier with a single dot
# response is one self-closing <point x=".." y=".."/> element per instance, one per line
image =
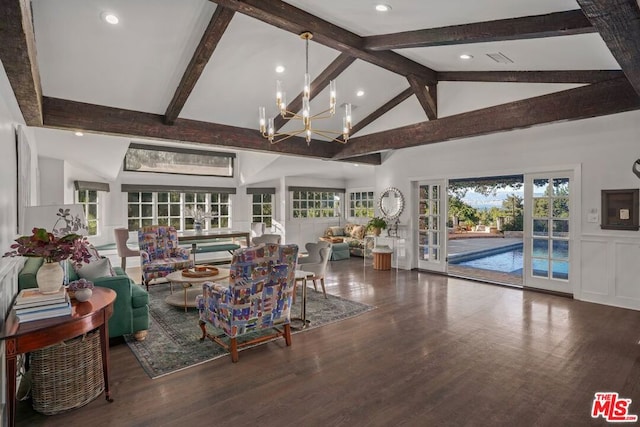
<point x="267" y="128"/>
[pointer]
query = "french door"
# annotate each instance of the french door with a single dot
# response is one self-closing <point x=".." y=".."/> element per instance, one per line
<point x="431" y="241"/>
<point x="547" y="231"/>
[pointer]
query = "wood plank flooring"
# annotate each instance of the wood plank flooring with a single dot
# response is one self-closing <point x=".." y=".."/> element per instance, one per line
<point x="437" y="351"/>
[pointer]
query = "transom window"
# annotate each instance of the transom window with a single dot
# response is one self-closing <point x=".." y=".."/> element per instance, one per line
<point x="89" y="201"/>
<point x="361" y="204"/>
<point x="168" y="208"/>
<point x="315" y="204"/>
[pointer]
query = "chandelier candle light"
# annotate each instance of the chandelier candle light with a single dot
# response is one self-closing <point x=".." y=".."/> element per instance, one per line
<point x="267" y="129"/>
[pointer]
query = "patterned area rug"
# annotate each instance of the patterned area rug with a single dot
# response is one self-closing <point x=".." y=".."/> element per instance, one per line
<point x="173" y="342"/>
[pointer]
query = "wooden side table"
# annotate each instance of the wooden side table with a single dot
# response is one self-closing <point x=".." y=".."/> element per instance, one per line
<point x="26" y="337"/>
<point x="382" y="258"/>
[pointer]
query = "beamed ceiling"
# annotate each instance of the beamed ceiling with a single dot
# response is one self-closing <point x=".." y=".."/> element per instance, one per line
<point x="196" y="70"/>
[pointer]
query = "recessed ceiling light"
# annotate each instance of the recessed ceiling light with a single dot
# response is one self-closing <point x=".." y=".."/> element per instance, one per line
<point x="466" y="56"/>
<point x="79" y="133"/>
<point x="383" y="7"/>
<point x="279" y="69"/>
<point x="110" y="18"/>
<point x="360" y="93"/>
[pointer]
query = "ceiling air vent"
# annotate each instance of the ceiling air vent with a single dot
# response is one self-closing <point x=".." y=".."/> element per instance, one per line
<point x="500" y="58"/>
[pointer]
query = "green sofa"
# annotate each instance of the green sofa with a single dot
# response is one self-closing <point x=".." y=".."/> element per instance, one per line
<point x="131" y="308"/>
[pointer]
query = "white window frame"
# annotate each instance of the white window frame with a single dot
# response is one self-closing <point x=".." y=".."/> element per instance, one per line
<point x="366" y="197"/>
<point x="85" y="207"/>
<point x="217" y="205"/>
<point x="262" y="204"/>
<point x="301" y="204"/>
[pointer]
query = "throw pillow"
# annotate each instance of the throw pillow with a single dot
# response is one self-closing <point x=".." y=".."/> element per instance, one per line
<point x="358" y="232"/>
<point x="95" y="269"/>
<point x="328" y="232"/>
<point x="336" y="231"/>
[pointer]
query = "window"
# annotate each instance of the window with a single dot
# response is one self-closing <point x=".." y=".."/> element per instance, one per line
<point x="361" y="204"/>
<point x="149" y="158"/>
<point x="167" y="208"/>
<point x="87" y="195"/>
<point x="89" y="201"/>
<point x="262" y="208"/>
<point x="316" y="204"/>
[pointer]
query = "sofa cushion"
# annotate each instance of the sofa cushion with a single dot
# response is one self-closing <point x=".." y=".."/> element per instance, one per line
<point x="358" y="232"/>
<point x="336" y="231"/>
<point x="95" y="269"/>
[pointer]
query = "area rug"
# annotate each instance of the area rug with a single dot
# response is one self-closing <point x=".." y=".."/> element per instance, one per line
<point x="173" y="342"/>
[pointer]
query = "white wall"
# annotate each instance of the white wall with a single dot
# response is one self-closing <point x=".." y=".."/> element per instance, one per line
<point x="603" y="149"/>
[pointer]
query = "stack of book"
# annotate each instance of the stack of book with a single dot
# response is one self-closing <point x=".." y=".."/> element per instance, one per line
<point x="32" y="305"/>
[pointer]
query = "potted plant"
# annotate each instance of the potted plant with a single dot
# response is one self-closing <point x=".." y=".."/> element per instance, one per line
<point x="53" y="249"/>
<point x="376" y="224"/>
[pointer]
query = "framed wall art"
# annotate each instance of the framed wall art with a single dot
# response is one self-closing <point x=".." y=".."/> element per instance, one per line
<point x="620" y="209"/>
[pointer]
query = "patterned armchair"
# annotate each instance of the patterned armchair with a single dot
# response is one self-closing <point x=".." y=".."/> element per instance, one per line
<point x="160" y="254"/>
<point x="257" y="296"/>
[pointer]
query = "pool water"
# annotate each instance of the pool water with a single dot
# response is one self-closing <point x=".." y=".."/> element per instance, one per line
<point x="510" y="261"/>
<point x="507" y="262"/>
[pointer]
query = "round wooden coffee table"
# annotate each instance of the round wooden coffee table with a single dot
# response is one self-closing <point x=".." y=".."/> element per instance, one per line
<point x="190" y="292"/>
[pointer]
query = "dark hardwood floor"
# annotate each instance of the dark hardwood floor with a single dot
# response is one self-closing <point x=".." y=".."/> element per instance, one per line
<point x="437" y="351"/>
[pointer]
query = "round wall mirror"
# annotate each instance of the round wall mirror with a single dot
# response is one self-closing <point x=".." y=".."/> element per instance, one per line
<point x="391" y="203"/>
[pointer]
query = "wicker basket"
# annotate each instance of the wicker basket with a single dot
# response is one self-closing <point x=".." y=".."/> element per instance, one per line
<point x="67" y="375"/>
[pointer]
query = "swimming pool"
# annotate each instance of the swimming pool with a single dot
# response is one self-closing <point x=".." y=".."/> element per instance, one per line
<point x="507" y="259"/>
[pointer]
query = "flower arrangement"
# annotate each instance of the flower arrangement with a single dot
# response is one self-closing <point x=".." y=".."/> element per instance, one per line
<point x="80" y="284"/>
<point x="53" y="249"/>
<point x="377" y="222"/>
<point x="197" y="214"/>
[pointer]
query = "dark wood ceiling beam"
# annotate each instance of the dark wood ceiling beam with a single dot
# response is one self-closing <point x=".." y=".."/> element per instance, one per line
<point x="618" y="22"/>
<point x="18" y="56"/>
<point x="405" y="94"/>
<point x="598" y="99"/>
<point x="427" y="96"/>
<point x="65" y="114"/>
<point x="561" y="76"/>
<point x="292" y="19"/>
<point x="208" y="43"/>
<point x="529" y="27"/>
<point x="334" y="69"/>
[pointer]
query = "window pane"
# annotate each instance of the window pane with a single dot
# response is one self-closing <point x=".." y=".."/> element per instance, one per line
<point x="540" y="248"/>
<point x="133" y="197"/>
<point x="174" y="210"/>
<point x="93" y="196"/>
<point x="133" y="225"/>
<point x="81" y="196"/>
<point x="540" y="187"/>
<point x="163" y="210"/>
<point x="92" y="211"/>
<point x="560" y="249"/>
<point x="561" y="187"/>
<point x="540" y="227"/>
<point x="540" y="267"/>
<point x="541" y="208"/>
<point x="147" y="197"/>
<point x="560" y="270"/>
<point x="147" y="211"/>
<point x="561" y="208"/>
<point x="133" y="211"/>
<point x="560" y="228"/>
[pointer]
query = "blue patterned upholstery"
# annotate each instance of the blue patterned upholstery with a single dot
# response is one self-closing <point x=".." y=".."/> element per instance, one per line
<point x="257" y="295"/>
<point x="160" y="254"/>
